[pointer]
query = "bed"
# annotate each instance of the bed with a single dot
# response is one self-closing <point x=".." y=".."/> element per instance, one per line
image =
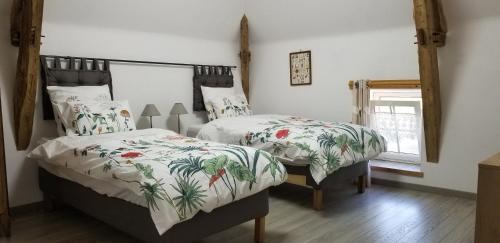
<point x="137" y="221"/>
<point x="317" y="154"/>
<point x="153" y="184"/>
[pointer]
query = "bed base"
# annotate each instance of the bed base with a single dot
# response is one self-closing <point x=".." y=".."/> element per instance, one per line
<point x="136" y="220"/>
<point x="301" y="175"/>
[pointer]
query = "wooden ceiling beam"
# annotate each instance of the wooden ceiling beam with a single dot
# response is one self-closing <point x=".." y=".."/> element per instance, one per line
<point x="245" y="56"/>
<point x="27" y="21"/>
<point x="431" y="33"/>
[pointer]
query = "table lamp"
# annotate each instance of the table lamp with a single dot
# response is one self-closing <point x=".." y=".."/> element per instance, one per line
<point x="178" y="109"/>
<point x="150" y="110"/>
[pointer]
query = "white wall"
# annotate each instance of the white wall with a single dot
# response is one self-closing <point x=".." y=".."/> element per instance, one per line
<point x="335" y="60"/>
<point x="140" y="84"/>
<point x="469" y="83"/>
<point x="470" y="88"/>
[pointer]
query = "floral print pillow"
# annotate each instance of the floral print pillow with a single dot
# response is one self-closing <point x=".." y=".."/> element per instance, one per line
<point x="94" y="118"/>
<point x="225" y="102"/>
<point x="60" y="95"/>
<point x="231" y="106"/>
<point x="210" y="111"/>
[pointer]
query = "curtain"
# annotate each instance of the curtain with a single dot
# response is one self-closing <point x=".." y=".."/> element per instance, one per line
<point x="361" y="103"/>
<point x="361" y="109"/>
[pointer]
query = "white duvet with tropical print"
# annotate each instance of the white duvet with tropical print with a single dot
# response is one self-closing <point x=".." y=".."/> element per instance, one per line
<point x="177" y="176"/>
<point x="326" y="146"/>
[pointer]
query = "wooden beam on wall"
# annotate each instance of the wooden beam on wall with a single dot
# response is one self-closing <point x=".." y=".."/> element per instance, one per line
<point x="428" y="22"/>
<point x="245" y="56"/>
<point x="28" y="64"/>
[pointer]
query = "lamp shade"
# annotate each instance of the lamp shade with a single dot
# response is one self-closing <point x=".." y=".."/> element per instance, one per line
<point x="150" y="110"/>
<point x="178" y="109"/>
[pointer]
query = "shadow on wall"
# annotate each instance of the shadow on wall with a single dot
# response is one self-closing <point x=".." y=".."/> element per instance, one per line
<point x="143" y="123"/>
<point x="461" y="11"/>
<point x="20" y="185"/>
<point x="450" y="57"/>
<point x="172" y="123"/>
<point x="186" y="120"/>
<point x="8" y="64"/>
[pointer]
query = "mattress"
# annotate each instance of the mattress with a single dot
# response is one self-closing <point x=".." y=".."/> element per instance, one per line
<point x="97" y="185"/>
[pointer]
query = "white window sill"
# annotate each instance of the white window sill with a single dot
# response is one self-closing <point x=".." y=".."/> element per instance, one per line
<point x="396" y="168"/>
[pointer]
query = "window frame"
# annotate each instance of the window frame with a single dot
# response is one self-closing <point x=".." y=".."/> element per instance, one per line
<point x="431" y="111"/>
<point x="398" y="156"/>
<point x="403" y="84"/>
<point x="391" y="84"/>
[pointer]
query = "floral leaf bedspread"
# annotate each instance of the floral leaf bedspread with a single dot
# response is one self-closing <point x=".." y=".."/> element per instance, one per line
<point x="326" y="146"/>
<point x="176" y="175"/>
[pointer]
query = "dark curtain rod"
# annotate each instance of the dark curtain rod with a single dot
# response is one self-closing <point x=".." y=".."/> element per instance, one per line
<point x="141" y="62"/>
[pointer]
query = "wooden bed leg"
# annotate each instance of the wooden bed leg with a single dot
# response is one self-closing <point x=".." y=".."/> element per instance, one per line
<point x="362" y="183"/>
<point x="317" y="199"/>
<point x="260" y="229"/>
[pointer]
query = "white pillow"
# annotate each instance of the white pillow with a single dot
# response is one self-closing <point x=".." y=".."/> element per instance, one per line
<point x="59" y="95"/>
<point x="225" y="102"/>
<point x="93" y="118"/>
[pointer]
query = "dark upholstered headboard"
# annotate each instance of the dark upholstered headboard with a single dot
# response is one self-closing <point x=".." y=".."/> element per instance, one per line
<point x="71" y="71"/>
<point x="210" y="76"/>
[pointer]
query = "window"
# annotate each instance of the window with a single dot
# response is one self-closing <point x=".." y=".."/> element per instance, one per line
<point x="396" y="114"/>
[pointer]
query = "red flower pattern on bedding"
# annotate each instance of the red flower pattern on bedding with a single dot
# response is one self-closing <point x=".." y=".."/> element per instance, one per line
<point x="131" y="155"/>
<point x="214" y="178"/>
<point x="283" y="133"/>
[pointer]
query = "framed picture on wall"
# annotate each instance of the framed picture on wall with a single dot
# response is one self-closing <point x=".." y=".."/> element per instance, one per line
<point x="300" y="68"/>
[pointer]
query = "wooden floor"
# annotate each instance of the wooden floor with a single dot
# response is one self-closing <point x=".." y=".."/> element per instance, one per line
<point x="382" y="214"/>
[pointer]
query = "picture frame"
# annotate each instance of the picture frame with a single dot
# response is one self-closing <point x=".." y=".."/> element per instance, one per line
<point x="300" y="68"/>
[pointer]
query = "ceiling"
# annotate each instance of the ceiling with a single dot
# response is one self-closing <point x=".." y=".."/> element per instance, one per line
<point x="269" y="20"/>
<point x="213" y="19"/>
<point x="290" y="19"/>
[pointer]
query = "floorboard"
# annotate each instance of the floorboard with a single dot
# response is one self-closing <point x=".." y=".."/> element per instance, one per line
<point x="382" y="214"/>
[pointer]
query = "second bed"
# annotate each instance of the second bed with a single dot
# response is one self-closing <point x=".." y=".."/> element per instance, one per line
<point x="317" y="154"/>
